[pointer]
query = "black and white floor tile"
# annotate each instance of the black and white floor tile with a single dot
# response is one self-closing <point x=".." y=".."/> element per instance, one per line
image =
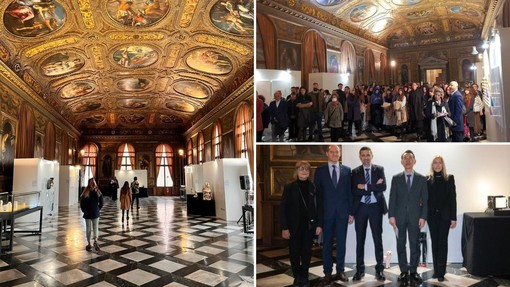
<point x="161" y="246"/>
<point x="273" y="269"/>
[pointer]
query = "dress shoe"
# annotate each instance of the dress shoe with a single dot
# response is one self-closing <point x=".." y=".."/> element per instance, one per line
<point x="358" y="276"/>
<point x="296" y="283"/>
<point x="305" y="282"/>
<point x="416" y="278"/>
<point x="340" y="276"/>
<point x="379" y="275"/>
<point x="404" y="276"/>
<point x="326" y="280"/>
<point x="434" y="276"/>
<point x="440" y="278"/>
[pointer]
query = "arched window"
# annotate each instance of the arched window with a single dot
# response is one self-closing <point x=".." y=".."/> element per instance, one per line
<point x="243" y="131"/>
<point x="88" y="161"/>
<point x="126" y="157"/>
<point x="164" y="165"/>
<point x="189" y="152"/>
<point x="201" y="148"/>
<point x="216" y="140"/>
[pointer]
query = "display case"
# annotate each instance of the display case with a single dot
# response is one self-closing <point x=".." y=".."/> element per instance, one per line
<point x="18" y="201"/>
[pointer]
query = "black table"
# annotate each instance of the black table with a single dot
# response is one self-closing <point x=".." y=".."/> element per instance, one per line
<point x="8" y="219"/>
<point x="486" y="244"/>
<point x="143" y="192"/>
<point x="198" y="206"/>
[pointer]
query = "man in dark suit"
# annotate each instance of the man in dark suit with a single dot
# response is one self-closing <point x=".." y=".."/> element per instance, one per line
<point x="278" y="116"/>
<point x="368" y="186"/>
<point x="407" y="213"/>
<point x="455" y="103"/>
<point x="333" y="183"/>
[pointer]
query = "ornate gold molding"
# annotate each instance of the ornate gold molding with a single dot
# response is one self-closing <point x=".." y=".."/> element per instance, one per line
<point x="122" y="36"/>
<point x="188" y="12"/>
<point x="86" y="13"/>
<point x="32" y="82"/>
<point x="4" y="53"/>
<point x="50" y="45"/>
<point x="173" y="53"/>
<point x="98" y="56"/>
<point x="223" y="42"/>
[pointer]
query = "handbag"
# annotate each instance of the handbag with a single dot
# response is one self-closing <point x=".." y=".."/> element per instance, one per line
<point x="449" y="122"/>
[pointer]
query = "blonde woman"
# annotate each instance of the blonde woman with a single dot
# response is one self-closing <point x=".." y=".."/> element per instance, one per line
<point x="91" y="202"/>
<point x="442" y="205"/>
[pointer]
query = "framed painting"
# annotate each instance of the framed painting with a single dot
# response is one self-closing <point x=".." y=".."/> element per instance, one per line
<point x="293" y="153"/>
<point x="107" y="164"/>
<point x="289" y="55"/>
<point x="39" y="146"/>
<point x="333" y="61"/>
<point x="282" y="175"/>
<point x="146" y="161"/>
<point x="7" y="147"/>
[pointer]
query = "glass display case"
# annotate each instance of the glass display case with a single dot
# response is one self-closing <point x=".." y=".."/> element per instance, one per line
<point x="18" y="201"/>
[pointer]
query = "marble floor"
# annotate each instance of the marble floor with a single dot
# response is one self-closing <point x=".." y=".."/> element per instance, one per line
<point x="161" y="246"/>
<point x="273" y="269"/>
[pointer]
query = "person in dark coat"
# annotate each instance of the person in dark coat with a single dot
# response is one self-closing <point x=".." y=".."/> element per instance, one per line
<point x="114" y="185"/>
<point x="91" y="202"/>
<point x="278" y="117"/>
<point x="305" y="115"/>
<point x="300" y="215"/>
<point x="415" y="105"/>
<point x="435" y="111"/>
<point x="442" y="207"/>
<point x="292" y="113"/>
<point x="353" y="111"/>
<point x="456" y="114"/>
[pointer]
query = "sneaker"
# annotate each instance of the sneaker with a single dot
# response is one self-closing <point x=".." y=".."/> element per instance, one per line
<point x="88" y="248"/>
<point x="96" y="247"/>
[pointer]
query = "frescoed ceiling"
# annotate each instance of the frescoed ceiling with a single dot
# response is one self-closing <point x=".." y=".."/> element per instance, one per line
<point x="402" y="23"/>
<point x="129" y="64"/>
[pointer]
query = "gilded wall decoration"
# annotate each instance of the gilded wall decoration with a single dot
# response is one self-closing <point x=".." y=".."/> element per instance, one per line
<point x="34" y="18"/>
<point x="132" y="103"/>
<point x="235" y="17"/>
<point x="131" y="119"/>
<point x="192" y="89"/>
<point x="137" y="13"/>
<point x="187" y="13"/>
<point x="173" y="53"/>
<point x="362" y="12"/>
<point x="62" y="63"/>
<point x="209" y="61"/>
<point x="405" y="2"/>
<point x="4" y="53"/>
<point x="86" y="14"/>
<point x="47" y="46"/>
<point x="224" y="43"/>
<point x="134" y="84"/>
<point x="97" y="54"/>
<point x="464" y="25"/>
<point x="86" y="106"/>
<point x="427" y="28"/>
<point x="170" y="119"/>
<point x="181" y="106"/>
<point x="32" y="82"/>
<point x="329" y="2"/>
<point x="132" y="56"/>
<point x="150" y="36"/>
<point x="419" y="14"/>
<point x="77" y="89"/>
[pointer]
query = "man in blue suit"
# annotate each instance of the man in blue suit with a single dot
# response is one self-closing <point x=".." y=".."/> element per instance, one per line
<point x="333" y="183"/>
<point x="407" y="213"/>
<point x="455" y="103"/>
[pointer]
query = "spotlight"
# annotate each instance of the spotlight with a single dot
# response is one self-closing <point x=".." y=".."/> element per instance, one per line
<point x="475" y="51"/>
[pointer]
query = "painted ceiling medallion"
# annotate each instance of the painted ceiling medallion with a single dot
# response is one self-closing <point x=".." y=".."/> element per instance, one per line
<point x="192" y="89"/>
<point x="180" y="106"/>
<point x="131" y="119"/>
<point x="135" y="56"/>
<point x="77" y="89"/>
<point x="132" y="103"/>
<point x="133" y="84"/>
<point x="31" y="18"/>
<point x="329" y="2"/>
<point x="93" y="120"/>
<point x="86" y="106"/>
<point x="209" y="61"/>
<point x="137" y="13"/>
<point x="427" y="28"/>
<point x="169" y="119"/>
<point x="362" y="12"/>
<point x="463" y="25"/>
<point x="406" y="2"/>
<point x="62" y="63"/>
<point x="419" y="14"/>
<point x="382" y="25"/>
<point x="234" y="17"/>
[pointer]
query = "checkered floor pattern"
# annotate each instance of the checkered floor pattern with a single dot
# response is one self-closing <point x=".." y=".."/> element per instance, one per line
<point x="160" y="246"/>
<point x="273" y="269"/>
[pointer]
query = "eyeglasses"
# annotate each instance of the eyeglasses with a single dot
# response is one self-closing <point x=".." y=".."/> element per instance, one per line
<point x="303" y="168"/>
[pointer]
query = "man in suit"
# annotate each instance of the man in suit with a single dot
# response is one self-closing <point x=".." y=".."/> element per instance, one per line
<point x="455" y="103"/>
<point x="278" y="116"/>
<point x="333" y="183"/>
<point x="407" y="213"/>
<point x="368" y="186"/>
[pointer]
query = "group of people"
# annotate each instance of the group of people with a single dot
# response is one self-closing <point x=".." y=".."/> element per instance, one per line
<point x="432" y="113"/>
<point x="91" y="203"/>
<point x="339" y="196"/>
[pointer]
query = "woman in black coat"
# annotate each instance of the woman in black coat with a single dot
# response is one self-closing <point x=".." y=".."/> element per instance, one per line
<point x="300" y="212"/>
<point x="91" y="202"/>
<point x="436" y="111"/>
<point x="442" y="203"/>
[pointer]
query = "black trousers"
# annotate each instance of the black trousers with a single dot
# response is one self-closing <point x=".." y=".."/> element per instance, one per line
<point x="412" y="229"/>
<point x="439" y="226"/>
<point x="336" y="133"/>
<point x="368" y="213"/>
<point x="300" y="249"/>
<point x="293" y="129"/>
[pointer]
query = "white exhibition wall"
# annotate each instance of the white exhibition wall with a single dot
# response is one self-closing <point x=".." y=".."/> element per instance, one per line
<point x="479" y="170"/>
<point x="128" y="175"/>
<point x="68" y="185"/>
<point x="269" y="81"/>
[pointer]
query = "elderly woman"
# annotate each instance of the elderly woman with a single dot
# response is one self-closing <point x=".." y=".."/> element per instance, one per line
<point x="436" y="112"/>
<point x="301" y="220"/>
<point x="334" y="116"/>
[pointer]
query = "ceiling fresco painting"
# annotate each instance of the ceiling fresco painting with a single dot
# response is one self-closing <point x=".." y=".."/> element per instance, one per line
<point x="403" y="23"/>
<point x="29" y="18"/>
<point x="137" y="64"/>
<point x="234" y="17"/>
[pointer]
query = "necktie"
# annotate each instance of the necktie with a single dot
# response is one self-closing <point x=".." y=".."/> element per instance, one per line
<point x="334" y="176"/>
<point x="368" y="199"/>
<point x="408" y="182"/>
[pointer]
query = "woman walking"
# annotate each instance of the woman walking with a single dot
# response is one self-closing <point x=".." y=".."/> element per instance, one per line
<point x="91" y="202"/>
<point x="442" y="205"/>
<point x="125" y="200"/>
